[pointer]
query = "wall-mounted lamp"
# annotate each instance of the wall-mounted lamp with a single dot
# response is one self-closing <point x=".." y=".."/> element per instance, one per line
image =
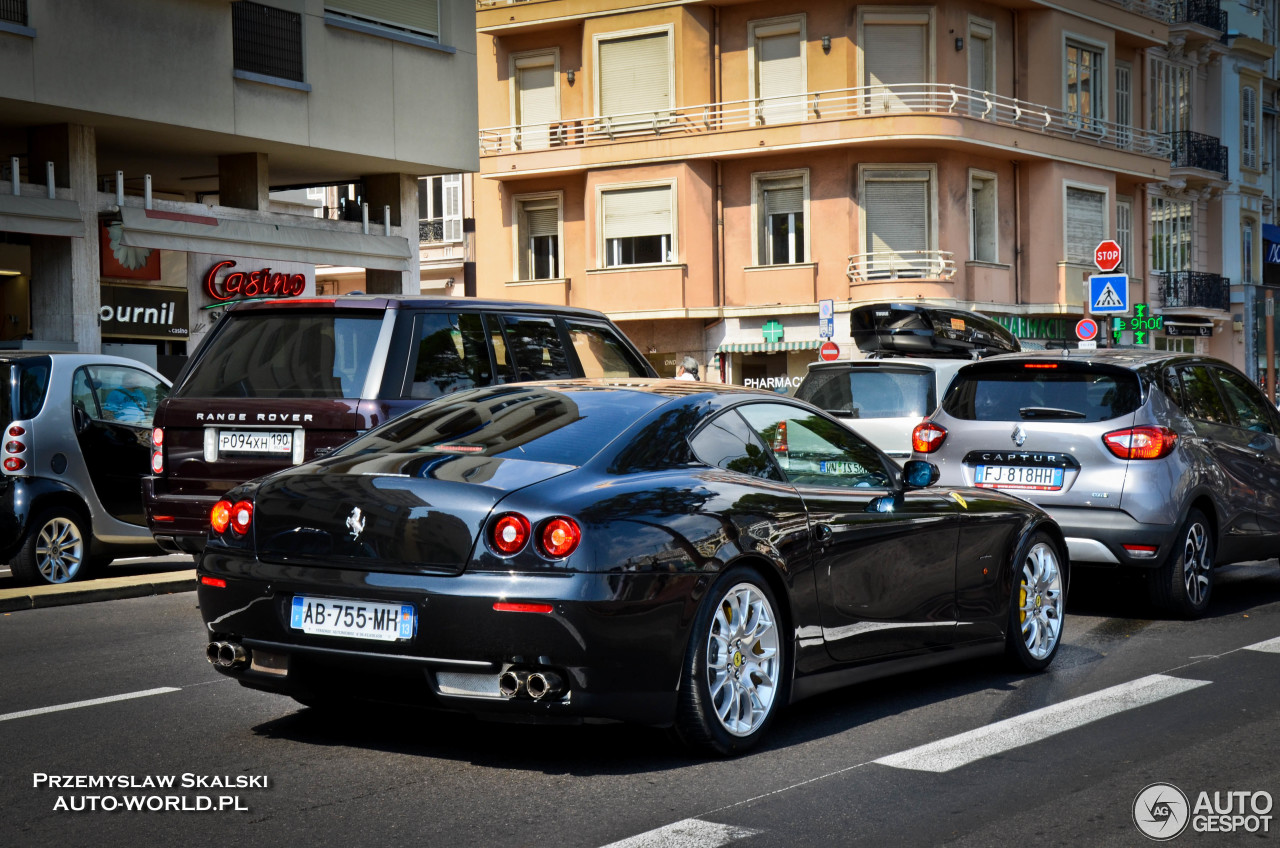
<point x="959" y="44"/>
<point x="569" y="76"/>
<point x="826" y="44"/>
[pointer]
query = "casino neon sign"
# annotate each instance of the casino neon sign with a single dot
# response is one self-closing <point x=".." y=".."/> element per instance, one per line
<point x="261" y="283"/>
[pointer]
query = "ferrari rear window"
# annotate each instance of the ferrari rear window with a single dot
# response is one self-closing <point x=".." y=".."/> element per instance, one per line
<point x="1042" y="390"/>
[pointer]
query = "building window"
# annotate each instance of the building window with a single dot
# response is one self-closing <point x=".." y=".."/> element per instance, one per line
<point x="440" y="208"/>
<point x="266" y="40"/>
<point x="414" y="17"/>
<point x="778" y="69"/>
<point x="1086" y="220"/>
<point x="535" y="101"/>
<point x="982" y="57"/>
<point x="634" y="75"/>
<point x="1124" y="103"/>
<point x="1084" y="77"/>
<point x="1124" y="234"/>
<point x="781" y="201"/>
<point x="537" y="233"/>
<point x="637" y="225"/>
<point x="1247" y="235"/>
<point x="982" y="217"/>
<point x="1249" y="128"/>
<point x="898" y="222"/>
<point x="1170" y="96"/>
<point x="1170" y="235"/>
<point x="14" y="12"/>
<point x="895" y="57"/>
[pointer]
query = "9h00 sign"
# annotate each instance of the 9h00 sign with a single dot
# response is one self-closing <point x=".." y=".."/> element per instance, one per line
<point x="1107" y="255"/>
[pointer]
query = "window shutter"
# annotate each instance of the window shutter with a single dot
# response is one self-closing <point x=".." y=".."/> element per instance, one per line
<point x="637" y="212"/>
<point x="421" y="15"/>
<point x="543" y="221"/>
<point x="634" y="74"/>
<point x="783" y="201"/>
<point x="536" y="102"/>
<point x="894" y="54"/>
<point x="1124" y="233"/>
<point x="452" y="207"/>
<point x="1249" y="128"/>
<point x="780" y="72"/>
<point x="978" y="63"/>
<point x="1124" y="104"/>
<point x="897" y="215"/>
<point x="1086" y="222"/>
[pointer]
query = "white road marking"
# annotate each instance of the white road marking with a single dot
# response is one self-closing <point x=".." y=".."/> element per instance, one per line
<point x="689" y="833"/>
<point x="90" y="703"/>
<point x="947" y="754"/>
<point x="1271" y="646"/>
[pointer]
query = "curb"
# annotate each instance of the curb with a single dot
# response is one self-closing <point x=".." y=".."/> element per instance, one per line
<point x="103" y="589"/>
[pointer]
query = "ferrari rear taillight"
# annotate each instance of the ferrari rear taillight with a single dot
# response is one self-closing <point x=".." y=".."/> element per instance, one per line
<point x="510" y="532"/>
<point x="220" y="516"/>
<point x="927" y="437"/>
<point x="1141" y="442"/>
<point x="560" y="537"/>
<point x="241" y="517"/>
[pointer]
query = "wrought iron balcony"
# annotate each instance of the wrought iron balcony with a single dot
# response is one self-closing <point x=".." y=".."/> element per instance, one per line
<point x="1197" y="150"/>
<point x="1206" y="13"/>
<point x="431" y="229"/>
<point x="901" y="265"/>
<point x="1193" y="289"/>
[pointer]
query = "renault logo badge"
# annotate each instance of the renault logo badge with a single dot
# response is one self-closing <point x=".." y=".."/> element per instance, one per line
<point x="1018" y="435"/>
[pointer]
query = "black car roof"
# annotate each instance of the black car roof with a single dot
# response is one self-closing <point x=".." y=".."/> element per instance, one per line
<point x="654" y="385"/>
<point x="383" y="301"/>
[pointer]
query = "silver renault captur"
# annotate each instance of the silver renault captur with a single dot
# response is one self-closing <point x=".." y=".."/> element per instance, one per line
<point x="1154" y="460"/>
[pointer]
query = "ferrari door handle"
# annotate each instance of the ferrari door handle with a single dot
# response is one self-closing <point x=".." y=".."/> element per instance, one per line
<point x="823" y="534"/>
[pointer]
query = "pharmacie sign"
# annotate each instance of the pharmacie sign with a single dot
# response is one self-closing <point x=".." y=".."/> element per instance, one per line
<point x="153" y="312"/>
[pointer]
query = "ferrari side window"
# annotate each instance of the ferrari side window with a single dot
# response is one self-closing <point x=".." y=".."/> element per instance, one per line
<point x="727" y="442"/>
<point x="813" y="450"/>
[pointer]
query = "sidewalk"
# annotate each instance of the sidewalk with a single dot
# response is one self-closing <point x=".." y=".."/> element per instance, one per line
<point x="129" y="578"/>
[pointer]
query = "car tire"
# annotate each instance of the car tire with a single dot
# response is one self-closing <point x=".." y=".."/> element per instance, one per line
<point x="56" y="548"/>
<point x="1183" y="584"/>
<point x="1037" y="604"/>
<point x="734" y="675"/>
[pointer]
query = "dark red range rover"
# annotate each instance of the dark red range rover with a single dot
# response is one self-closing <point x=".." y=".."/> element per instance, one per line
<point x="279" y="382"/>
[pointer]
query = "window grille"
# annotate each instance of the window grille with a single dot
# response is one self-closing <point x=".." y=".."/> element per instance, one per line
<point x="267" y="40"/>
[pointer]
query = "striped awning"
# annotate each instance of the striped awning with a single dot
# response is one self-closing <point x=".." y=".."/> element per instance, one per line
<point x="768" y="347"/>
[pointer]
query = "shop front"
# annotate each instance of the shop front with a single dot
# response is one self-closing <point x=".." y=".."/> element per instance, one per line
<point x="773" y="353"/>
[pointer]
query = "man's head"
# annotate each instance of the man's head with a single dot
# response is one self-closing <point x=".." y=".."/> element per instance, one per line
<point x="690" y="366"/>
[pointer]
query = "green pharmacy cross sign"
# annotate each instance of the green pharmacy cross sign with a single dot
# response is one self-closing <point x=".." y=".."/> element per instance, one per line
<point x="772" y="332"/>
<point x="1140" y="324"/>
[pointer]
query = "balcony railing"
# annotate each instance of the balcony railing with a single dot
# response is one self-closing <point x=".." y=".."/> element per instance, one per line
<point x="902" y="265"/>
<point x="840" y="104"/>
<point x="1206" y="13"/>
<point x="431" y="229"/>
<point x="1197" y="150"/>
<point x="1192" y="289"/>
<point x="1154" y="9"/>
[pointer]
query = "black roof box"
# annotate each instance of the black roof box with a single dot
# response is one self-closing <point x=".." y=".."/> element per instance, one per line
<point x="911" y="329"/>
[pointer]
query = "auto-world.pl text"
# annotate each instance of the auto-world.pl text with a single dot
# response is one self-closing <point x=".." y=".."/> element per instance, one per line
<point x="154" y="801"/>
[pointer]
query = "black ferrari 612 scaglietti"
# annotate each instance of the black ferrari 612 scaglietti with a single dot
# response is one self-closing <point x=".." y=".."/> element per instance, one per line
<point x="671" y="553"/>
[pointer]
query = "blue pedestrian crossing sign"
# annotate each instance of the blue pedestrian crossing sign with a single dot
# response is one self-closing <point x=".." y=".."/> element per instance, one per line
<point x="1109" y="294"/>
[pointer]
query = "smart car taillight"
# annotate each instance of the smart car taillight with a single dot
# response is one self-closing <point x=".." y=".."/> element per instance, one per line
<point x="1141" y="442"/>
<point x="510" y="532"/>
<point x="16" y="430"/>
<point x="13" y="463"/>
<point x="927" y="437"/>
<point x="241" y="517"/>
<point x="14" y="446"/>
<point x="220" y="516"/>
<point x="560" y="537"/>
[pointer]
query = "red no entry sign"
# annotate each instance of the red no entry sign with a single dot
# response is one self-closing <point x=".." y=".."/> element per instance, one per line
<point x="829" y="351"/>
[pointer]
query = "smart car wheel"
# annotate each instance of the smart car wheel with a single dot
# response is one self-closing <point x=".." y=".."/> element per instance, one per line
<point x="1037" y="606"/>
<point x="734" y="671"/>
<point x="1183" y="584"/>
<point x="55" y="548"/>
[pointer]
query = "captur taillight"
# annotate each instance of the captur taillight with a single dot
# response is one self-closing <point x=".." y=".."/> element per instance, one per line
<point x="560" y="537"/>
<point x="1141" y="442"/>
<point x="510" y="532"/>
<point x="927" y="437"/>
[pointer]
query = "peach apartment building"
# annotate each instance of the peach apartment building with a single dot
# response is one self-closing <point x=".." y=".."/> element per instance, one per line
<point x="707" y="173"/>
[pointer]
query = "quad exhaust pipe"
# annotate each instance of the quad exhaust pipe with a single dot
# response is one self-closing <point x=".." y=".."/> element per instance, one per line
<point x="226" y="654"/>
<point x="539" y="685"/>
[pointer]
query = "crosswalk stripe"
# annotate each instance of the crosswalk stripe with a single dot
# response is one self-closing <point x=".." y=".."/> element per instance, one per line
<point x="1271" y="646"/>
<point x="90" y="703"/>
<point x="947" y="754"/>
<point x="689" y="833"/>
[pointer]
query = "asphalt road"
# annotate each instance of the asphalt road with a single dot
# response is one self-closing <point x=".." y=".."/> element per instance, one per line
<point x="1129" y="702"/>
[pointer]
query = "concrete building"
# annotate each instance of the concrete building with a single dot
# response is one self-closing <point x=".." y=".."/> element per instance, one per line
<point x="159" y="157"/>
<point x="708" y="173"/>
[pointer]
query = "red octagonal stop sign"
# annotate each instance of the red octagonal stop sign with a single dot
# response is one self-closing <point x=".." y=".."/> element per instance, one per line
<point x="1107" y="255"/>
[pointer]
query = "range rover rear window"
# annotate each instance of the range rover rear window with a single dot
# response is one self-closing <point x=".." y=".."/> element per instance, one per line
<point x="289" y="355"/>
<point x="1042" y="390"/>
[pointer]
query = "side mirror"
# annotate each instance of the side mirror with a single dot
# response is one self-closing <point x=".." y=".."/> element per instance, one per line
<point x="918" y="474"/>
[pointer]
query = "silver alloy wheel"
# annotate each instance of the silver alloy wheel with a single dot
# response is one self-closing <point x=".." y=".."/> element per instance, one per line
<point x="1196" y="563"/>
<point x="1041" y="598"/>
<point x="743" y="662"/>
<point x="59" y="550"/>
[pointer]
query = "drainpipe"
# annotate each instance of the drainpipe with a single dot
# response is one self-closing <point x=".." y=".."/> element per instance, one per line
<point x="719" y="198"/>
<point x="1017" y="175"/>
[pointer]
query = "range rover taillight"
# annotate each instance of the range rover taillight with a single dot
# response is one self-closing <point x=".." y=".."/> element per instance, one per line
<point x="1141" y="442"/>
<point x="157" y="450"/>
<point x="927" y="437"/>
